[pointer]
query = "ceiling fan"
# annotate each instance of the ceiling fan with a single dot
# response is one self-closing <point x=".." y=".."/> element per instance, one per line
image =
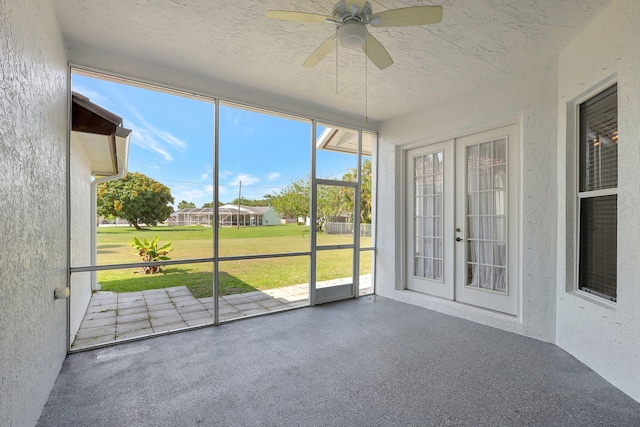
<point x="351" y="18"/>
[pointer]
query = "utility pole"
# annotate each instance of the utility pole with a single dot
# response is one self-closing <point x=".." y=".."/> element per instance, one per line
<point x="239" y="196"/>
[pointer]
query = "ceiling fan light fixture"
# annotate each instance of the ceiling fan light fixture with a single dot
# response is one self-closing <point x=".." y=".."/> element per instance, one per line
<point x="352" y="34"/>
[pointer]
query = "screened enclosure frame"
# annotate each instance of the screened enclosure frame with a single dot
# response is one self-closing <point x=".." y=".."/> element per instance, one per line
<point x="215" y="259"/>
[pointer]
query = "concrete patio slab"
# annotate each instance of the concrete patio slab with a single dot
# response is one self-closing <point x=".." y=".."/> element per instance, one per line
<point x="114" y="316"/>
<point x="135" y="317"/>
<point x="132" y="326"/>
<point x="169" y="327"/>
<point x="166" y="320"/>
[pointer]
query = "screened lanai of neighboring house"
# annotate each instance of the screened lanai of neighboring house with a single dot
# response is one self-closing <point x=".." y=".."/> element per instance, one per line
<point x="192" y="216"/>
<point x="228" y="215"/>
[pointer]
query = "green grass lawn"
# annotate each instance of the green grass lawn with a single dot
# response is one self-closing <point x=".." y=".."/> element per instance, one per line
<point x="235" y="276"/>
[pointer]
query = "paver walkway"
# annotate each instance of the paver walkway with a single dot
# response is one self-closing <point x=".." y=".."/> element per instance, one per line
<point x="114" y="316"/>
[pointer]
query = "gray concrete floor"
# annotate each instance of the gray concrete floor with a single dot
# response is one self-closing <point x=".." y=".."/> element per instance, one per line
<point x="369" y="362"/>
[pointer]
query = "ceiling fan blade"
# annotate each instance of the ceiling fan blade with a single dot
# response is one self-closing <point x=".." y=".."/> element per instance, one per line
<point x="288" y="15"/>
<point x="355" y="3"/>
<point x="407" y="16"/>
<point x="320" y="52"/>
<point x="377" y="53"/>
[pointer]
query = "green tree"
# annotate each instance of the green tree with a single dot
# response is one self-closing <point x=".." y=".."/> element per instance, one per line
<point x="330" y="204"/>
<point x="136" y="198"/>
<point x="250" y="202"/>
<point x="211" y="204"/>
<point x="366" y="202"/>
<point x="293" y="200"/>
<point x="184" y="205"/>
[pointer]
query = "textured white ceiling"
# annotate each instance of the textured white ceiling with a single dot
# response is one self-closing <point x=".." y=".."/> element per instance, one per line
<point x="232" y="41"/>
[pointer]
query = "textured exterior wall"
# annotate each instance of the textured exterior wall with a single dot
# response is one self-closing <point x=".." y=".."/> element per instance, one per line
<point x="80" y="198"/>
<point x="606" y="337"/>
<point x="33" y="232"/>
<point x="530" y="100"/>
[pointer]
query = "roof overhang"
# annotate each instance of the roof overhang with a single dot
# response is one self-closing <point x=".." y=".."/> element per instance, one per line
<point x="102" y="136"/>
<point x="344" y="141"/>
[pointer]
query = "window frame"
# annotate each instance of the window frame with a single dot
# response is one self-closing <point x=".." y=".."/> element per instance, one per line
<point x="578" y="196"/>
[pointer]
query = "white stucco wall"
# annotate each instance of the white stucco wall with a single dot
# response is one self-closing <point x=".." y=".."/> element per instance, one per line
<point x="80" y="198"/>
<point x="33" y="231"/>
<point x="606" y="337"/>
<point x="530" y="100"/>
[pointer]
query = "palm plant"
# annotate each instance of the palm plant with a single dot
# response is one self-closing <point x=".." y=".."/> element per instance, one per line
<point x="149" y="251"/>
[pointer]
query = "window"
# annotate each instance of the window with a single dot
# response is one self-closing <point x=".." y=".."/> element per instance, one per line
<point x="598" y="194"/>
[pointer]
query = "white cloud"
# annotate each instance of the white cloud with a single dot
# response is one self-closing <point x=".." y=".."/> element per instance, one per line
<point x="273" y="175"/>
<point x="162" y="140"/>
<point x="95" y="97"/>
<point x="189" y="195"/>
<point x="206" y="176"/>
<point x="168" y="138"/>
<point x="245" y="179"/>
<point x="198" y="194"/>
<point x="237" y="118"/>
<point x="143" y="139"/>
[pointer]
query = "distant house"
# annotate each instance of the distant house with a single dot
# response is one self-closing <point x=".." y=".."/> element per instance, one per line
<point x="228" y="216"/>
<point x="191" y="216"/>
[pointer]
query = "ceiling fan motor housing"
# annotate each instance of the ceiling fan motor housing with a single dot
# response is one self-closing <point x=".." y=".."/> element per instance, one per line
<point x="352" y="34"/>
<point x="342" y="13"/>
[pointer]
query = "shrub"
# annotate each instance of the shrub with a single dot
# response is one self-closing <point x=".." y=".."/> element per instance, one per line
<point x="149" y="251"/>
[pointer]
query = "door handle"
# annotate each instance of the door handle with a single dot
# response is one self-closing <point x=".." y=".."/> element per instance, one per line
<point x="459" y="239"/>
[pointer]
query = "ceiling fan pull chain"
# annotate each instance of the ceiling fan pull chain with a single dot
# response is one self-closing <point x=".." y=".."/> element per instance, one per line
<point x="366" y="83"/>
<point x="337" y="61"/>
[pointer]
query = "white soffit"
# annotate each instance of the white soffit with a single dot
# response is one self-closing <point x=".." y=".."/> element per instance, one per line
<point x="98" y="148"/>
<point x="232" y="42"/>
<point x="345" y="141"/>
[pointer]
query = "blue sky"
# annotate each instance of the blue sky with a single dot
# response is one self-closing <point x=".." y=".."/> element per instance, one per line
<point x="172" y="142"/>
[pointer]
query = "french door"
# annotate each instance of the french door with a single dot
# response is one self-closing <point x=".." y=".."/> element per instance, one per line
<point x="461" y="219"/>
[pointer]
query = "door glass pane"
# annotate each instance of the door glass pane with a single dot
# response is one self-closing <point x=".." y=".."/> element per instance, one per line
<point x="486" y="216"/>
<point x="428" y="189"/>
